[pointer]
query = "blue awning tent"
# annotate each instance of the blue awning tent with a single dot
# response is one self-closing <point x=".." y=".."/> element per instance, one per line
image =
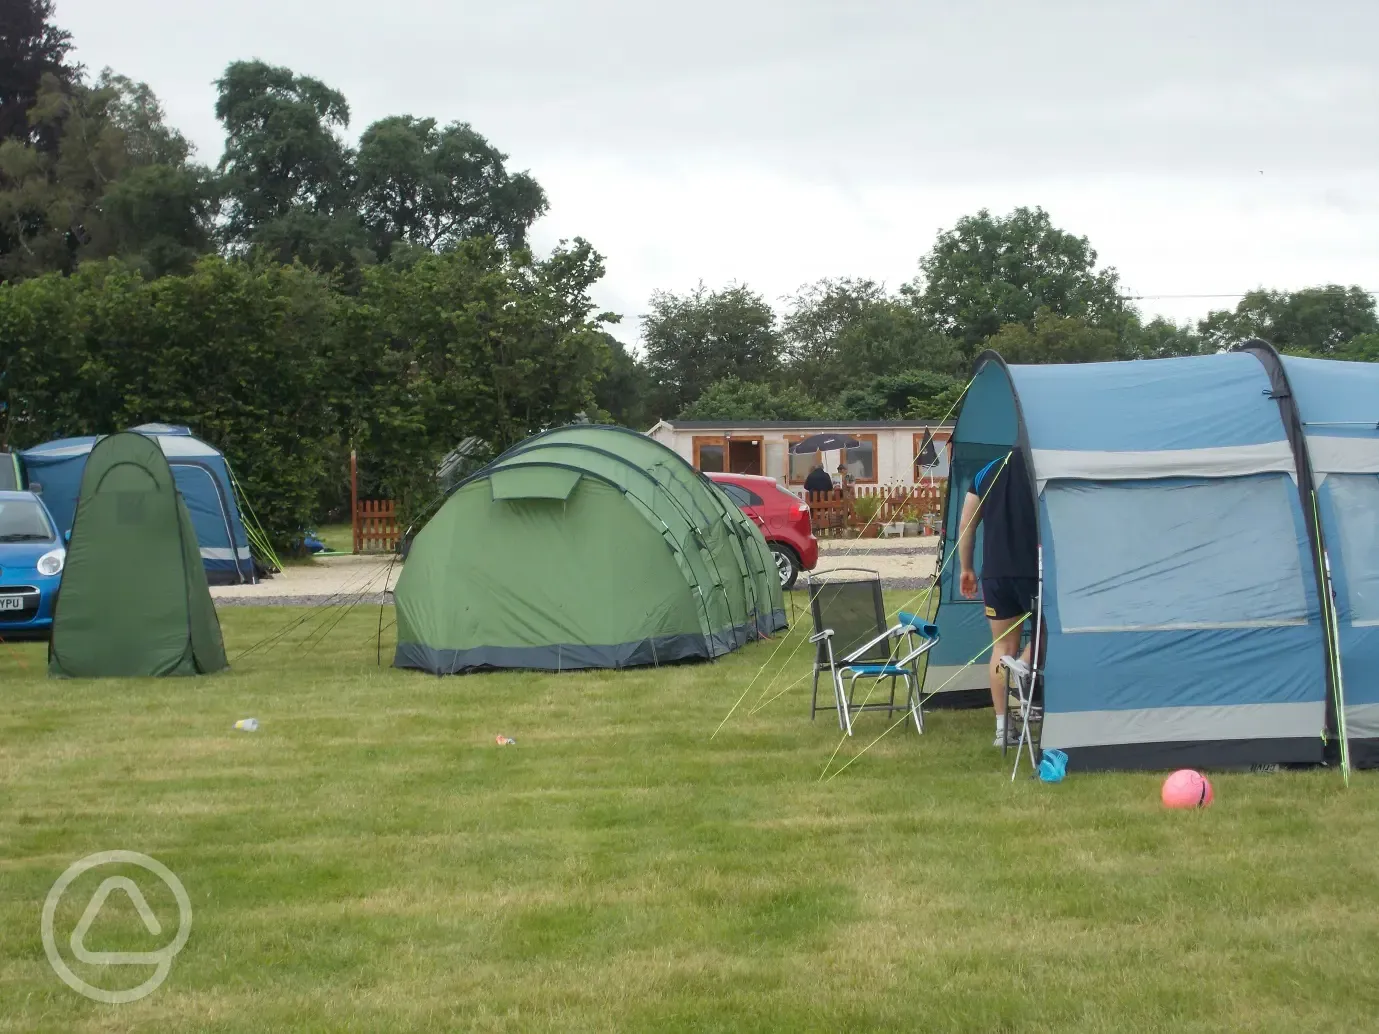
<point x="1184" y="553"/>
<point x="202" y="476"/>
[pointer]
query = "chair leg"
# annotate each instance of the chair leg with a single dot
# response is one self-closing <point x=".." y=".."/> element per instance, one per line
<point x="844" y="706"/>
<point x="916" y="707"/>
<point x="844" y="711"/>
<point x="1026" y="740"/>
<point x="814" y="697"/>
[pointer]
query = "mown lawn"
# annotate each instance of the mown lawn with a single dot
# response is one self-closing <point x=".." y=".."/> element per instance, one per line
<point x="370" y="860"/>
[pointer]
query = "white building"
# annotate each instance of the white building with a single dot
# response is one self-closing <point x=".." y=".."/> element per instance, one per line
<point x="887" y="455"/>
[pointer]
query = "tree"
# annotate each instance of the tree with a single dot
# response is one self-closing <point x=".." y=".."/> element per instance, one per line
<point x="843" y="333"/>
<point x="117" y="183"/>
<point x="244" y="353"/>
<point x="622" y="391"/>
<point x="473" y="341"/>
<point x="1056" y="339"/>
<point x="1317" y="320"/>
<point x="31" y="47"/>
<point x="734" y="399"/>
<point x="1159" y="339"/>
<point x="988" y="272"/>
<point x="432" y="187"/>
<point x="896" y="395"/>
<point x="1362" y="348"/>
<point x="693" y="340"/>
<point x="287" y="175"/>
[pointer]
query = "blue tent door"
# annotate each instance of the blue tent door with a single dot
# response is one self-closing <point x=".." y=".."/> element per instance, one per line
<point x="225" y="555"/>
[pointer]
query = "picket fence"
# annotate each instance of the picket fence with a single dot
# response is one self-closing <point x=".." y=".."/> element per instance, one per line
<point x="376" y="529"/>
<point x="838" y="513"/>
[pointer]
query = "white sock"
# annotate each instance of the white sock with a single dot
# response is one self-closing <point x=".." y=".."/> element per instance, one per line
<point x="1000" y="723"/>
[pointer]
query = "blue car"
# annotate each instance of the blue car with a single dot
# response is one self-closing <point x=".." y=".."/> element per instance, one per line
<point x="32" y="555"/>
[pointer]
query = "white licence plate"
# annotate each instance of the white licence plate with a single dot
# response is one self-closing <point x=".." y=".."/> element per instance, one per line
<point x="11" y="603"/>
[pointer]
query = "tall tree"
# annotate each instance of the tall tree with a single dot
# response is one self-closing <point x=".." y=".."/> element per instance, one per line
<point x="473" y="341"/>
<point x="118" y="183"/>
<point x="841" y="334"/>
<point x="1316" y="320"/>
<point x="990" y="271"/>
<point x="433" y="187"/>
<point x="621" y="393"/>
<point x="287" y="175"/>
<point x="693" y="340"/>
<point x="31" y="46"/>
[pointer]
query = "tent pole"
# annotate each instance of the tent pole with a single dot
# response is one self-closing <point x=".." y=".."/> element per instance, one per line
<point x="1034" y="658"/>
<point x="354" y="499"/>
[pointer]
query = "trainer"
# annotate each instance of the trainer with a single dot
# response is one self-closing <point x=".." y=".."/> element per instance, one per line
<point x="1002" y="502"/>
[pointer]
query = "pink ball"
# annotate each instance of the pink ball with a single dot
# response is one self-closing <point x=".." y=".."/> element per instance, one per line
<point x="1186" y="788"/>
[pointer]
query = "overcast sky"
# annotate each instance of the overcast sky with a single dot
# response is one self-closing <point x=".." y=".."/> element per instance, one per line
<point x="1204" y="147"/>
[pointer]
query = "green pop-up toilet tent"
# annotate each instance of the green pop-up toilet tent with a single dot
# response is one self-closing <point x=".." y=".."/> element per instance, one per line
<point x="584" y="547"/>
<point x="134" y="598"/>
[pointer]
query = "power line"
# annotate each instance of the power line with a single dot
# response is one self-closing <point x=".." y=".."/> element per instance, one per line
<point x="1235" y="294"/>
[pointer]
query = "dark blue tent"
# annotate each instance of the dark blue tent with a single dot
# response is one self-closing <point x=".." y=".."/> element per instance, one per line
<point x="202" y="477"/>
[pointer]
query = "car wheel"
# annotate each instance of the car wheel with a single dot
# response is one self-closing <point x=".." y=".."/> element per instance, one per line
<point x="787" y="566"/>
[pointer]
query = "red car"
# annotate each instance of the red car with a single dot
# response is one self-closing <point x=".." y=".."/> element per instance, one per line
<point x="782" y="517"/>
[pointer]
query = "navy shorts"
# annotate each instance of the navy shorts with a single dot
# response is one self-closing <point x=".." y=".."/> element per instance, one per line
<point x="1008" y="598"/>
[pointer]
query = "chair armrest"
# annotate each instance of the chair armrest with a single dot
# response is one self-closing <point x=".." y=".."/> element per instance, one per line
<point x="915" y="623"/>
<point x="819" y="637"/>
<point x="918" y="651"/>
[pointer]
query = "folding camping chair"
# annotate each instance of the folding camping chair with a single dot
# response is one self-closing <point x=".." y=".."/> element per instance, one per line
<point x="853" y="640"/>
<point x="1020" y="684"/>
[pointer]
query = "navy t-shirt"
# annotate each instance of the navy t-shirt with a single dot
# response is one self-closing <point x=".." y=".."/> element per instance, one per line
<point x="1010" y="528"/>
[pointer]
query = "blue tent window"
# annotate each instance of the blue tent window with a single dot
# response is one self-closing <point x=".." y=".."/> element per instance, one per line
<point x="1355" y="503"/>
<point x="1176" y="554"/>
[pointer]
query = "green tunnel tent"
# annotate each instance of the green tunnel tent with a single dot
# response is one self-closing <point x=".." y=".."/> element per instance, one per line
<point x="584" y="547"/>
<point x="134" y="599"/>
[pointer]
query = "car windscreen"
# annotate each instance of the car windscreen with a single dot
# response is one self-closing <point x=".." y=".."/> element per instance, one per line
<point x="23" y="520"/>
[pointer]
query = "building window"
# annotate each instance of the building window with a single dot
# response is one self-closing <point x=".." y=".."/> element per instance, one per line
<point x="939" y="453"/>
<point x="861" y="461"/>
<point x="800" y="463"/>
<point x="709" y="455"/>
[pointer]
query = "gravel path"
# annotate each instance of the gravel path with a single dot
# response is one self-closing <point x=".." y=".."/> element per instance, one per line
<point x="902" y="564"/>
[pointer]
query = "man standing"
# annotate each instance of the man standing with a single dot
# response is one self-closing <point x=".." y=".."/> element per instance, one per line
<point x="1002" y="501"/>
<point x="818" y="480"/>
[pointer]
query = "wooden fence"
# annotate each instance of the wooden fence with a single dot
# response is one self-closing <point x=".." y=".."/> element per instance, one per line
<point x="376" y="529"/>
<point x="849" y="511"/>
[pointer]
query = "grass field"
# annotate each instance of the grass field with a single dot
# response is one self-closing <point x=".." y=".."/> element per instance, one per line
<point x="370" y="860"/>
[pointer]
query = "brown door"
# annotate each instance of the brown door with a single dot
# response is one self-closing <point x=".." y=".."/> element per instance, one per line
<point x="744" y="456"/>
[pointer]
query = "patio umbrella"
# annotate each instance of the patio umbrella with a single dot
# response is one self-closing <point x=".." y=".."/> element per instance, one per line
<point x="825" y="443"/>
<point x="928" y="453"/>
